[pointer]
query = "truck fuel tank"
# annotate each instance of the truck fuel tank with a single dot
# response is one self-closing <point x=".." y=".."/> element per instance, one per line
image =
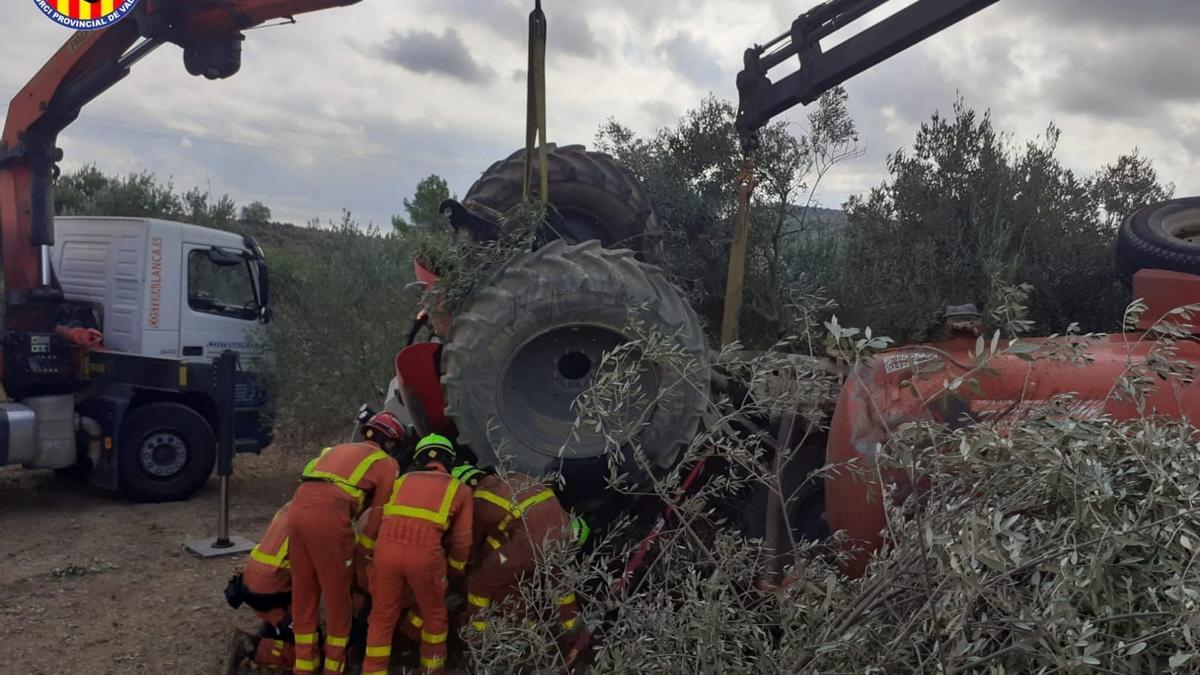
<point x="18" y="429"/>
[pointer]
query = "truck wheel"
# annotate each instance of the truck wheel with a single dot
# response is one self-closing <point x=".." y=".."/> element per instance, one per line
<point x="531" y="341"/>
<point x="1164" y="236"/>
<point x="167" y="452"/>
<point x="594" y="197"/>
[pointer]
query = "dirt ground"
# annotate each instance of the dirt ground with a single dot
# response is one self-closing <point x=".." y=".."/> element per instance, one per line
<point x="92" y="584"/>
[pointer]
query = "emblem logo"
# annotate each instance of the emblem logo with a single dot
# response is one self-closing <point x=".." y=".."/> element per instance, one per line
<point x="86" y="14"/>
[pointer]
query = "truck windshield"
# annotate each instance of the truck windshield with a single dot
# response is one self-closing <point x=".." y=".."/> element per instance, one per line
<point x="221" y="283"/>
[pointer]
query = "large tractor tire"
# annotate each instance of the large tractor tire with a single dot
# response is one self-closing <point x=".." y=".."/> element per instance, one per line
<point x="592" y="197"/>
<point x="531" y="341"/>
<point x="1164" y="236"/>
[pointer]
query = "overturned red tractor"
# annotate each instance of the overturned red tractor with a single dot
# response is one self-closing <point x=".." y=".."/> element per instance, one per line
<point x="502" y="375"/>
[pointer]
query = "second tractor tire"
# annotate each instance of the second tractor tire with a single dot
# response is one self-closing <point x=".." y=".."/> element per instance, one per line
<point x="1163" y="236"/>
<point x="593" y="197"/>
<point x="530" y="342"/>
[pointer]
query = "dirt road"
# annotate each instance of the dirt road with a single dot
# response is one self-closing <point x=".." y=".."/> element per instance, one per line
<point x="91" y="584"/>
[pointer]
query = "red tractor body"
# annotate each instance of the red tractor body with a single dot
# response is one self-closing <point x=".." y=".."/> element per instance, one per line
<point x="917" y="383"/>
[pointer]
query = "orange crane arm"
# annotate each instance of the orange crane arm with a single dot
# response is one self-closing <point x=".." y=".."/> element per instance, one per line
<point x="87" y="65"/>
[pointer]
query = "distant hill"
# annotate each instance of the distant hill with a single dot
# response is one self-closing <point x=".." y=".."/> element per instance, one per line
<point x="285" y="236"/>
<point x="819" y="219"/>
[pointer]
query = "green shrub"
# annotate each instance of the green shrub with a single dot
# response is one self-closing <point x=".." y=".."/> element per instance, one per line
<point x="341" y="314"/>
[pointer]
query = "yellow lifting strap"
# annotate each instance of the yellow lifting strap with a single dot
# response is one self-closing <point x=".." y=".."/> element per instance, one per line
<point x="535" y="107"/>
<point x="735" y="279"/>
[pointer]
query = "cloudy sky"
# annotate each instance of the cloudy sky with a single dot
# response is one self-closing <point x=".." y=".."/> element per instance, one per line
<point x="352" y="106"/>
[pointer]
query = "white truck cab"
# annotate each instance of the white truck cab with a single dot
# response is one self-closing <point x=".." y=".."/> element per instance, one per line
<point x="165" y="289"/>
<point x="142" y="416"/>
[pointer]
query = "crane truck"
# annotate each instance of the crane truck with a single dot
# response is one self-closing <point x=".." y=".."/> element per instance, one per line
<point x="112" y="326"/>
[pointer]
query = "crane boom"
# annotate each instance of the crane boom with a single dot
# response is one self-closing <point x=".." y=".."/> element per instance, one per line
<point x="761" y="99"/>
<point x="87" y="65"/>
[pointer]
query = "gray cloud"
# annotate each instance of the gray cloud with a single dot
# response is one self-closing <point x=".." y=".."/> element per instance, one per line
<point x="1131" y="76"/>
<point x="427" y="53"/>
<point x="693" y="59"/>
<point x="569" y="31"/>
<point x="1120" y="15"/>
<point x="1114" y="73"/>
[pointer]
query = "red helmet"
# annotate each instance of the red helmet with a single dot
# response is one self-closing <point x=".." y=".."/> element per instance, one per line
<point x="384" y="426"/>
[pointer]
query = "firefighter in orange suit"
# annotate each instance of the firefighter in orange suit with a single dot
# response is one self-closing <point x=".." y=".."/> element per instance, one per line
<point x="517" y="518"/>
<point x="426" y="507"/>
<point x="336" y="488"/>
<point x="265" y="584"/>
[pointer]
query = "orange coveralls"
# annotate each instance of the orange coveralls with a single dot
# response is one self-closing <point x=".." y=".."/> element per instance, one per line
<point x="516" y="518"/>
<point x="410" y="555"/>
<point x="268" y="572"/>
<point x="338" y="485"/>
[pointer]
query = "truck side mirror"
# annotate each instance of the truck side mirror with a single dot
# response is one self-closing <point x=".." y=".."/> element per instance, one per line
<point x="264" y="292"/>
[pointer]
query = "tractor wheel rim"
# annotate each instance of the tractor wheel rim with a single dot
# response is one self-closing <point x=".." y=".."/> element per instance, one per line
<point x="1184" y="226"/>
<point x="544" y="378"/>
<point x="163" y="454"/>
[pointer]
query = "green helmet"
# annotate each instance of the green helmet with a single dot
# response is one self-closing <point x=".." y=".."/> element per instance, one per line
<point x="434" y="447"/>
<point x="468" y="474"/>
<point x="580" y="529"/>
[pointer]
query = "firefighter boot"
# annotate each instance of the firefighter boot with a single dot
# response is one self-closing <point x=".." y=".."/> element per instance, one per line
<point x="242" y="646"/>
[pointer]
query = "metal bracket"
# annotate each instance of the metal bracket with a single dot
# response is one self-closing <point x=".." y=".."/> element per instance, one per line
<point x="224" y="383"/>
<point x="462" y="218"/>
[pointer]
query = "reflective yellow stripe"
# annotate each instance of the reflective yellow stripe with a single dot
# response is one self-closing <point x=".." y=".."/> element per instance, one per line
<point x="568" y="624"/>
<point x="479" y="625"/>
<point x="525" y="506"/>
<point x="566" y="599"/>
<point x="365" y="541"/>
<point x="334" y="666"/>
<point x="365" y="465"/>
<point x="336" y="641"/>
<point x="441" y="517"/>
<point x="415" y="620"/>
<point x="347" y="483"/>
<point x="432" y="662"/>
<point x="492" y="497"/>
<point x="305" y="665"/>
<point x="478" y="600"/>
<point x="494" y="543"/>
<point x="433" y="638"/>
<point x="339" y="481"/>
<point x="376" y="652"/>
<point x="306" y="638"/>
<point x="279" y="560"/>
<point x="456" y="564"/>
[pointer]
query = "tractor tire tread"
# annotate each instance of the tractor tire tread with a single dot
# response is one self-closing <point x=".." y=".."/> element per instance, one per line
<point x="569" y="276"/>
